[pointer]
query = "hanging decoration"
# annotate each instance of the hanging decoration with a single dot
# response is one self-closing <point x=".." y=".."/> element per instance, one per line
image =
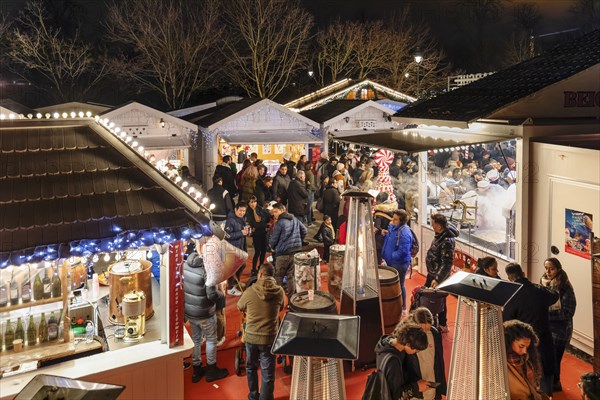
<point x="384" y="159"/>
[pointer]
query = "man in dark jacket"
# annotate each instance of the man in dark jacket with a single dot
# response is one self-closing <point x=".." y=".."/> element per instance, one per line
<point x="291" y="166"/>
<point x="440" y="257"/>
<point x="286" y="240"/>
<point x="224" y="171"/>
<point x="401" y="380"/>
<point x="280" y="185"/>
<point x="384" y="212"/>
<point x="263" y="192"/>
<point x="237" y="230"/>
<point x="219" y="196"/>
<point x="262" y="303"/>
<point x="298" y="197"/>
<point x="199" y="310"/>
<point x="530" y="305"/>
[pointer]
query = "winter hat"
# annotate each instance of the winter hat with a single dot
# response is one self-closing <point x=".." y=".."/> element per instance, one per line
<point x="287" y="156"/>
<point x="483" y="185"/>
<point x="194" y="260"/>
<point x="493" y="175"/>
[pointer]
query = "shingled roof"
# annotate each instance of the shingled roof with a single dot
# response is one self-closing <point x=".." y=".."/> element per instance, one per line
<point x="494" y="92"/>
<point x="66" y="189"/>
<point x="331" y="110"/>
<point x="205" y="118"/>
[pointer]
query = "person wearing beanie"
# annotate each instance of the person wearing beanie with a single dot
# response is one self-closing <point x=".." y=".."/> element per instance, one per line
<point x="199" y="309"/>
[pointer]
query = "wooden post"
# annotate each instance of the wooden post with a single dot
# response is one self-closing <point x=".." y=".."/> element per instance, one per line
<point x="65" y="296"/>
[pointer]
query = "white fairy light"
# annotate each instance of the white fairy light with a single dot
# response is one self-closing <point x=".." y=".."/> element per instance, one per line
<point x="97" y="118"/>
<point x="30" y="116"/>
<point x="128" y="139"/>
<point x="2" y="116"/>
<point x="177" y="179"/>
<point x="212" y="206"/>
<point x="117" y="129"/>
<point x="95" y="258"/>
<point x="12" y="116"/>
<point x="191" y="190"/>
<point x="80" y="114"/>
<point x="65" y="115"/>
<point x="184" y="184"/>
<point x="88" y="114"/>
<point x="38" y="115"/>
<point x="73" y="114"/>
<point x="205" y="200"/>
<point x="107" y="257"/>
<point x="141" y="149"/>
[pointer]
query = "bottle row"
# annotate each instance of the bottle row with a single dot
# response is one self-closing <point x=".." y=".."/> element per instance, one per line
<point x="43" y="288"/>
<point x="15" y="337"/>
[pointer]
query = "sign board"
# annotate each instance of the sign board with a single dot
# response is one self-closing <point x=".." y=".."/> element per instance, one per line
<point x="176" y="322"/>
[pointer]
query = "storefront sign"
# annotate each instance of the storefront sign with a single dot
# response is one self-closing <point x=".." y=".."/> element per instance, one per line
<point x="463" y="262"/>
<point x="581" y="99"/>
<point x="176" y="294"/>
<point x="578" y="233"/>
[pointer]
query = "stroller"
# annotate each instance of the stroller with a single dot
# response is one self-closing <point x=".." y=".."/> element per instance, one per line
<point x="429" y="298"/>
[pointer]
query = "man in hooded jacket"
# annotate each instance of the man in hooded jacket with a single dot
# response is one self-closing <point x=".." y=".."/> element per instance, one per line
<point x="439" y="258"/>
<point x="262" y="303"/>
<point x="199" y="309"/>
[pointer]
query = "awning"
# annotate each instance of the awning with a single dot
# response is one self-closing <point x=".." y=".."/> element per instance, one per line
<point x="164" y="142"/>
<point x="411" y="141"/>
<point x="270" y="137"/>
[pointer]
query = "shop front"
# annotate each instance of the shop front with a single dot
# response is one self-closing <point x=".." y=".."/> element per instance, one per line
<point x="530" y="142"/>
<point x="250" y="126"/>
<point x="85" y="214"/>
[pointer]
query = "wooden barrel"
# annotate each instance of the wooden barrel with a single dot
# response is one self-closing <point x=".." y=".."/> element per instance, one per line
<point x="307" y="271"/>
<point x="336" y="270"/>
<point x="323" y="303"/>
<point x="391" y="297"/>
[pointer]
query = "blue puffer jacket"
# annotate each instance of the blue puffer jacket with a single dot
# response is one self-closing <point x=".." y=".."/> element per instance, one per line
<point x="233" y="227"/>
<point x="396" y="251"/>
<point x="287" y="235"/>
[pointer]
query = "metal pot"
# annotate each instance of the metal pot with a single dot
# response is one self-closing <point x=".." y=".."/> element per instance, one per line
<point x="78" y="272"/>
<point x="124" y="277"/>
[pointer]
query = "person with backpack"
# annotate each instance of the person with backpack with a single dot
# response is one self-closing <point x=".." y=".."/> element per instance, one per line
<point x="393" y="377"/>
<point x="397" y="246"/>
<point x="384" y="210"/>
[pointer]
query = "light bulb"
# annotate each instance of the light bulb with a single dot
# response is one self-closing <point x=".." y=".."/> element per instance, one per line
<point x="141" y="149"/>
<point x="65" y="115"/>
<point x="191" y="190"/>
<point x="212" y="206"/>
<point x="149" y="254"/>
<point x="73" y="114"/>
<point x="56" y="115"/>
<point x="47" y="115"/>
<point x="95" y="258"/>
<point x="88" y="114"/>
<point x="134" y="144"/>
<point x="30" y="116"/>
<point x="107" y="257"/>
<point x="38" y="115"/>
<point x="177" y="179"/>
<point x="80" y="114"/>
<point x="205" y="200"/>
<point x="184" y="184"/>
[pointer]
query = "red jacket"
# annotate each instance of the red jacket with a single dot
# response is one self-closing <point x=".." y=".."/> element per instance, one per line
<point x="342" y="233"/>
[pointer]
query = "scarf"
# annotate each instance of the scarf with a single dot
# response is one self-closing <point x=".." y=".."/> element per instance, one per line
<point x="553" y="284"/>
<point x="332" y="230"/>
<point x="522" y="364"/>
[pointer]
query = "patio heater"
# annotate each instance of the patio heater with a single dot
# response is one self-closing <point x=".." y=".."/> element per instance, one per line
<point x="319" y="343"/>
<point x="478" y="363"/>
<point x="360" y="280"/>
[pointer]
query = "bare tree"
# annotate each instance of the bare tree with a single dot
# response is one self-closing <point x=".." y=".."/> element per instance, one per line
<point x="519" y="44"/>
<point x="588" y="13"/>
<point x="334" y="47"/>
<point x="370" y="51"/>
<point x="169" y="47"/>
<point x="266" y="44"/>
<point x="526" y="17"/>
<point x="70" y="66"/>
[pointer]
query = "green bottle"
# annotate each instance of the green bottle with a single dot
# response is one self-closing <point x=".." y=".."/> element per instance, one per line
<point x="56" y="285"/>
<point x="47" y="285"/>
<point x="9" y="335"/>
<point x="20" y="332"/>
<point x="31" y="332"/>
<point x="43" y="331"/>
<point x="38" y="287"/>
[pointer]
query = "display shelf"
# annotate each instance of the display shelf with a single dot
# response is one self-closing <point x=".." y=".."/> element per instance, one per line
<point x="29" y="304"/>
<point x="44" y="352"/>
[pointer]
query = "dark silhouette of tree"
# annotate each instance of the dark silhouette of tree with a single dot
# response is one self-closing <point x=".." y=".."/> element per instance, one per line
<point x="587" y="13"/>
<point x="266" y="44"/>
<point x="168" y="47"/>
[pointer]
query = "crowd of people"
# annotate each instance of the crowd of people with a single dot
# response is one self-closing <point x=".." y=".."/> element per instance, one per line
<point x="277" y="212"/>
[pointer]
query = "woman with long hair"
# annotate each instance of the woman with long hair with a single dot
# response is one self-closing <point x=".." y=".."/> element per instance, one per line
<point x="248" y="181"/>
<point x="524" y="367"/>
<point x="560" y="314"/>
<point x="487" y="266"/>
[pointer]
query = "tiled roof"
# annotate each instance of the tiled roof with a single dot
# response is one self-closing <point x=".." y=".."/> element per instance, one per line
<point x="64" y="187"/>
<point x="206" y="118"/>
<point x="331" y="110"/>
<point x="494" y="92"/>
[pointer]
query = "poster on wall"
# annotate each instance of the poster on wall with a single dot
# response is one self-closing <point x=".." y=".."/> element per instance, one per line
<point x="578" y="233"/>
<point x="279" y="148"/>
<point x="252" y="148"/>
<point x="266" y="149"/>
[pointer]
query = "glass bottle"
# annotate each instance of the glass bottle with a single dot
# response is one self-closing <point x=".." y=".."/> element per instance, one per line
<point x="26" y="291"/>
<point x="52" y="327"/>
<point x="47" y="285"/>
<point x="56" y="285"/>
<point x="43" y="331"/>
<point x="38" y="287"/>
<point x="3" y="292"/>
<point x="14" y="292"/>
<point x="9" y="335"/>
<point x="20" y="332"/>
<point x="31" y="332"/>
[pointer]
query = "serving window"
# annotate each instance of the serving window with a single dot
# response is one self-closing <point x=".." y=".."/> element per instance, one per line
<point x="475" y="188"/>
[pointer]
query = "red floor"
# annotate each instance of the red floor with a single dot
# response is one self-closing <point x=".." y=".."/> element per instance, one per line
<point x="235" y="387"/>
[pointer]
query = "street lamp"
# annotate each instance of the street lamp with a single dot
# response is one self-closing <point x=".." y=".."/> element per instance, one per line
<point x="418" y="58"/>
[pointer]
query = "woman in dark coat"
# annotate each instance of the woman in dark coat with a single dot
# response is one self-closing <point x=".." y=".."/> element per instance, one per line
<point x="331" y="202"/>
<point x="560" y="314"/>
<point x="487" y="266"/>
